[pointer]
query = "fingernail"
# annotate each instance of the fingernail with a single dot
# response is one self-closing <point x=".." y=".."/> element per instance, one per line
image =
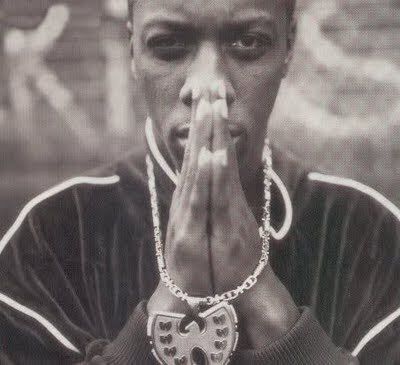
<point x="204" y="156"/>
<point x="203" y="109"/>
<point x="184" y="90"/>
<point x="196" y="92"/>
<point x="221" y="157"/>
<point x="213" y="88"/>
<point x="222" y="108"/>
<point x="222" y="89"/>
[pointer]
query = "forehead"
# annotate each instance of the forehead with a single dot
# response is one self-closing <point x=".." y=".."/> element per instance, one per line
<point x="208" y="11"/>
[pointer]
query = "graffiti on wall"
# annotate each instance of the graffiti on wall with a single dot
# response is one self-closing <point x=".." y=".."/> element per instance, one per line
<point x="91" y="108"/>
<point x="32" y="78"/>
<point x="345" y="102"/>
<point x="29" y="75"/>
<point x="323" y="53"/>
<point x="330" y="90"/>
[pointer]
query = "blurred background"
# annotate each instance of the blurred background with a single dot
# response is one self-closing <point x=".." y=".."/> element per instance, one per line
<point x="68" y="103"/>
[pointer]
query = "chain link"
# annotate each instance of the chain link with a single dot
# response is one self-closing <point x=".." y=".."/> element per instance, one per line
<point x="264" y="234"/>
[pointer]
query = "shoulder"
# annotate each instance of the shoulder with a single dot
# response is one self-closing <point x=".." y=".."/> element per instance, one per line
<point x="334" y="205"/>
<point x="340" y="209"/>
<point x="53" y="212"/>
<point x="354" y="231"/>
<point x="352" y="193"/>
<point x="94" y="198"/>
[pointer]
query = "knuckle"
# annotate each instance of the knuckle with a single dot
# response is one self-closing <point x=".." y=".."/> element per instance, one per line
<point x="180" y="237"/>
<point x="220" y="204"/>
<point x="234" y="249"/>
<point x="177" y="192"/>
<point x="183" y="253"/>
<point x="171" y="231"/>
<point x="195" y="205"/>
<point x="179" y="244"/>
<point x="221" y="171"/>
<point x="191" y="174"/>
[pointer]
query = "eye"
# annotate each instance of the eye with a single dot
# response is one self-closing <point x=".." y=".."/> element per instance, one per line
<point x="169" y="47"/>
<point x="250" y="46"/>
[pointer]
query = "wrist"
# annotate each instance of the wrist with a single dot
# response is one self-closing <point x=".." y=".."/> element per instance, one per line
<point x="267" y="311"/>
<point x="163" y="300"/>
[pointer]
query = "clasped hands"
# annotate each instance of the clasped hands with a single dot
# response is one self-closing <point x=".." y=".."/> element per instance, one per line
<point x="213" y="241"/>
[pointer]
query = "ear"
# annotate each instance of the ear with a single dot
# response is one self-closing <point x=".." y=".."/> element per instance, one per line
<point x="133" y="68"/>
<point x="130" y="32"/>
<point x="129" y="26"/>
<point x="291" y="39"/>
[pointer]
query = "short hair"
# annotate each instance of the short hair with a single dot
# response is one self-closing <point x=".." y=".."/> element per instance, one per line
<point x="290" y="4"/>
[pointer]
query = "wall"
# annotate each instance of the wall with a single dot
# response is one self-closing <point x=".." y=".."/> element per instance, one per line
<point x="67" y="101"/>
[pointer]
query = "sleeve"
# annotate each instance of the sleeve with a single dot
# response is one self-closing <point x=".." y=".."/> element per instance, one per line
<point x="305" y="344"/>
<point x="43" y="319"/>
<point x="374" y="314"/>
<point x="351" y="246"/>
<point x="130" y="347"/>
<point x="46" y="317"/>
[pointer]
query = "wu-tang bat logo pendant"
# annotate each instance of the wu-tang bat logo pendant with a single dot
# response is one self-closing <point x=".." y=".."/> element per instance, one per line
<point x="216" y="339"/>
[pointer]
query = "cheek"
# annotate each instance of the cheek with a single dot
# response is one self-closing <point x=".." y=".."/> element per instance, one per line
<point x="158" y="87"/>
<point x="262" y="105"/>
<point x="256" y="88"/>
<point x="161" y="85"/>
<point x="261" y="78"/>
<point x="256" y="92"/>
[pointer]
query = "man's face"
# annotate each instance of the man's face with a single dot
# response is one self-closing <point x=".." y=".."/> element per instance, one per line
<point x="243" y="42"/>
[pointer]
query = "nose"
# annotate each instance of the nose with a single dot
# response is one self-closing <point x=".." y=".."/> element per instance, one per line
<point x="206" y="71"/>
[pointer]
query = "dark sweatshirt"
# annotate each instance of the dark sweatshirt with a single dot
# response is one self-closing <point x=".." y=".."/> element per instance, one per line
<point x="78" y="266"/>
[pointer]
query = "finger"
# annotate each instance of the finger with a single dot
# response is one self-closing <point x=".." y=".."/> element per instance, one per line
<point x="200" y="194"/>
<point x="190" y="221"/>
<point x="195" y="94"/>
<point x="200" y="131"/>
<point x="198" y="90"/>
<point x="222" y="139"/>
<point x="199" y="136"/>
<point x="220" y="186"/>
<point x="221" y="136"/>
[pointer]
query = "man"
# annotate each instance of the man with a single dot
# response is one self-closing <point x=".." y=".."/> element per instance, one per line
<point x="79" y="273"/>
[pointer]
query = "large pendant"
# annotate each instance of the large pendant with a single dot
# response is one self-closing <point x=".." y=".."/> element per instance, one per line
<point x="214" y="336"/>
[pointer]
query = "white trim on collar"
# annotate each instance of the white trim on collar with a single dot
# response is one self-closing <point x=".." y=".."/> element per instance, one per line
<point x="40" y="319"/>
<point x="336" y="180"/>
<point x="81" y="180"/>
<point x="151" y="141"/>
<point x="277" y="235"/>
<point x="341" y="181"/>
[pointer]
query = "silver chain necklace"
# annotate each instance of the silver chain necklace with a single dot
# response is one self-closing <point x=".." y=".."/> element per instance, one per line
<point x="218" y="338"/>
<point x="264" y="234"/>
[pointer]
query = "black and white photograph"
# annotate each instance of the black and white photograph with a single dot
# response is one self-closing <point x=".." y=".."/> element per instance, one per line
<point x="200" y="182"/>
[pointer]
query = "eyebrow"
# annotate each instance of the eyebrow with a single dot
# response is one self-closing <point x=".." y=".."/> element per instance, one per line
<point x="242" y="19"/>
<point x="248" y="23"/>
<point x="174" y="24"/>
<point x="160" y="19"/>
<point x="253" y="16"/>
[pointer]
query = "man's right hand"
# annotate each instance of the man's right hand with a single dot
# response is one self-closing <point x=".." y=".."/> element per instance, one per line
<point x="187" y="247"/>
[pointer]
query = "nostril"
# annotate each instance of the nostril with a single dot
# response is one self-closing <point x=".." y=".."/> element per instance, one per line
<point x="192" y="91"/>
<point x="230" y="98"/>
<point x="185" y="94"/>
<point x="187" y="99"/>
<point x="225" y="90"/>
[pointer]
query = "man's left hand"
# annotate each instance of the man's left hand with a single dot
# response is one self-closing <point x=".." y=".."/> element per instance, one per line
<point x="267" y="310"/>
